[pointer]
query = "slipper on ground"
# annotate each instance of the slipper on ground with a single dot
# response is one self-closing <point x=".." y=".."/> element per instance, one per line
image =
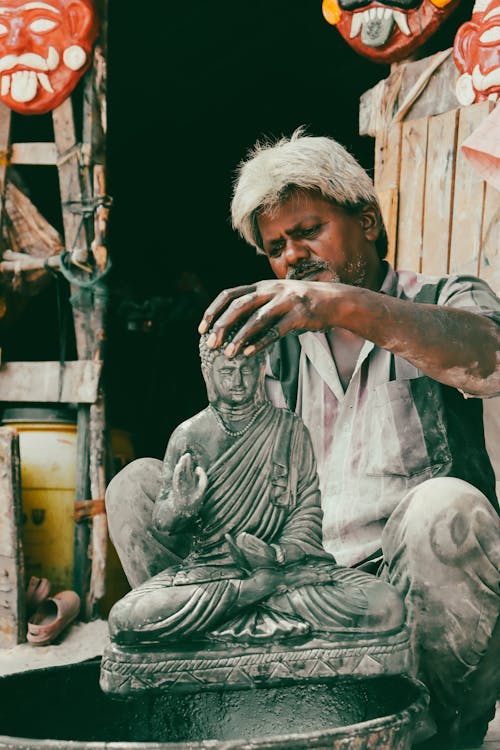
<point x="51" y="617"/>
<point x="37" y="590"/>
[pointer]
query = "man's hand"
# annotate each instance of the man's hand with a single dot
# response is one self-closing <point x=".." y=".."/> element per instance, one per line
<point x="454" y="346"/>
<point x="189" y="483"/>
<point x="268" y="310"/>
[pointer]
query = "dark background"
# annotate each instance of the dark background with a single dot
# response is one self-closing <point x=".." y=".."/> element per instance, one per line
<point x="191" y="87"/>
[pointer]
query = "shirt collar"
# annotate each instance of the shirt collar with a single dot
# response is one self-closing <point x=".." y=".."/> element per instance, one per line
<point x="390" y="282"/>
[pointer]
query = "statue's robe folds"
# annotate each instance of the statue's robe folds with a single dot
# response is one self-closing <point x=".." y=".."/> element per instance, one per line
<point x="265" y="484"/>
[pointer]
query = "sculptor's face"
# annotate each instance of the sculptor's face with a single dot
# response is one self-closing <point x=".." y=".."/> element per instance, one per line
<point x="477" y="56"/>
<point x="45" y="48"/>
<point x="387" y="31"/>
<point x="310" y="238"/>
<point x="235" y="381"/>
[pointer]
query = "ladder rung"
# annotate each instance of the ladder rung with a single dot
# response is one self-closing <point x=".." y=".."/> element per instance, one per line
<point x="33" y="153"/>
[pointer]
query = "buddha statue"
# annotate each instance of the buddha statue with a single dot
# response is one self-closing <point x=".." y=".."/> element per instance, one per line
<point x="227" y="546"/>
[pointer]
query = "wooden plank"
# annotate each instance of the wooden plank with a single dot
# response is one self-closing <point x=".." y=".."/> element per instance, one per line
<point x="489" y="265"/>
<point x="5" y="120"/>
<point x="388" y="200"/>
<point x="34" y="153"/>
<point x="78" y="382"/>
<point x="437" y="97"/>
<point x="412" y="194"/>
<point x="70" y="185"/>
<point x="441" y="149"/>
<point x="387" y="159"/>
<point x="12" y="581"/>
<point x="98" y="489"/>
<point x="468" y="199"/>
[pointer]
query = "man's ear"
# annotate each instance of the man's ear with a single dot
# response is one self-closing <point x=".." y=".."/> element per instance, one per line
<point x="371" y="222"/>
<point x="82" y="19"/>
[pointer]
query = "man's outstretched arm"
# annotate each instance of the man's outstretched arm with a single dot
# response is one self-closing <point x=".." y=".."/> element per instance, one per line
<point x="455" y="347"/>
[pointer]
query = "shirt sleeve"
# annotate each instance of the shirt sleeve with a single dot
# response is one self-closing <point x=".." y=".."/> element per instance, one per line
<point x="471" y="294"/>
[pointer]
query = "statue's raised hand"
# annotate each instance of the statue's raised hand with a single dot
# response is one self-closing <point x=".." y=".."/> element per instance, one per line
<point x="189" y="483"/>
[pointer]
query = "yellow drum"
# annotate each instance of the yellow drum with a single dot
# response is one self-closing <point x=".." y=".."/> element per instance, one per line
<point x="47" y="446"/>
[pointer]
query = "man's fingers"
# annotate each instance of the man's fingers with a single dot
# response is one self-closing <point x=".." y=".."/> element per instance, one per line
<point x="268" y="325"/>
<point x="239" y="308"/>
<point x="220" y="303"/>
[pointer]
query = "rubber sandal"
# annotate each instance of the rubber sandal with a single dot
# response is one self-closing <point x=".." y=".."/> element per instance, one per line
<point x="51" y="617"/>
<point x="37" y="591"/>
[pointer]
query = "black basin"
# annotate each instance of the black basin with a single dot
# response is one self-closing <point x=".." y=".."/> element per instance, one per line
<point x="64" y="708"/>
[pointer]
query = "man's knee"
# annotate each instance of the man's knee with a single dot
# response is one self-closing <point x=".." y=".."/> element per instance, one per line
<point x="130" y="496"/>
<point x="386" y="610"/>
<point x="141" y="474"/>
<point x="448" y="513"/>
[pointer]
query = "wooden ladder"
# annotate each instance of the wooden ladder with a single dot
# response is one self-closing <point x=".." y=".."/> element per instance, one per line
<point x="82" y="186"/>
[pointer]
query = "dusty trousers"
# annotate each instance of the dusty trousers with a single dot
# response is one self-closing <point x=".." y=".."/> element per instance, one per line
<point x="441" y="551"/>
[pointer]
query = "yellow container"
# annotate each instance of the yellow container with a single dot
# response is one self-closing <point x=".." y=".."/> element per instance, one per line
<point x="47" y="449"/>
<point x="47" y="446"/>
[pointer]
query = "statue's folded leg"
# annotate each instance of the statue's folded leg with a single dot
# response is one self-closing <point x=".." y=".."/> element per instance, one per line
<point x="350" y="601"/>
<point x="130" y="499"/>
<point x="158" y="611"/>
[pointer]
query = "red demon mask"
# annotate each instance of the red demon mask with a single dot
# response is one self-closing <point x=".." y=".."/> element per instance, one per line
<point x="387" y="31"/>
<point x="477" y="54"/>
<point x="45" y="47"/>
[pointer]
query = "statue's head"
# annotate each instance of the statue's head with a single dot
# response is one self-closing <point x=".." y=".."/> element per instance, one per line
<point x="477" y="54"/>
<point x="234" y="381"/>
<point x="45" y="48"/>
<point x="387" y="31"/>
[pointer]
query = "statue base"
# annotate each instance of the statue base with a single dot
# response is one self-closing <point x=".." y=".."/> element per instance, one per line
<point x="211" y="666"/>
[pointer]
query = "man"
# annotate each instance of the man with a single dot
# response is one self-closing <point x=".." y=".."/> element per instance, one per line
<point x="388" y="371"/>
<point x="239" y="482"/>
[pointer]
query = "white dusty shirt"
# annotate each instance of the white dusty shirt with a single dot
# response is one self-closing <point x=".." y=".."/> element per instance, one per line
<point x="391" y="428"/>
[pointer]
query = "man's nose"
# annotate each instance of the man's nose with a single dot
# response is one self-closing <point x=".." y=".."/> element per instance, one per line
<point x="295" y="251"/>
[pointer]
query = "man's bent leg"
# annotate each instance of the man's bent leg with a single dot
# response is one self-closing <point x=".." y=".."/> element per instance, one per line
<point x="130" y="498"/>
<point x="442" y="550"/>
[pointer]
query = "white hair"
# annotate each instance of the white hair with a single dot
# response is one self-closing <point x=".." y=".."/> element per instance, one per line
<point x="273" y="171"/>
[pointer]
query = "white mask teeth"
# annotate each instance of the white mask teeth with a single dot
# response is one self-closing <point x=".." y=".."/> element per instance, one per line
<point x="23" y="86"/>
<point x="356" y="23"/>
<point x="402" y="22"/>
<point x="52" y="58"/>
<point x="43" y="79"/>
<point x="5" y="85"/>
<point x="372" y="14"/>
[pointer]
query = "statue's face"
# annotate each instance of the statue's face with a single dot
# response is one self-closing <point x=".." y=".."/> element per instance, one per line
<point x="387" y="31"/>
<point x="45" y="47"/>
<point x="235" y="381"/>
<point x="477" y="55"/>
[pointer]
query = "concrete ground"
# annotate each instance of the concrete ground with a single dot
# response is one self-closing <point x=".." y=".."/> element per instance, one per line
<point x="84" y="641"/>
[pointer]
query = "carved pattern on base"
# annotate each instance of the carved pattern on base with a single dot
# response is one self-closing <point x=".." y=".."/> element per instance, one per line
<point x="125" y="672"/>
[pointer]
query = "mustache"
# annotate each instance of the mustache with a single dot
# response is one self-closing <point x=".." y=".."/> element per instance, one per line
<point x="31" y="60"/>
<point x="311" y="266"/>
